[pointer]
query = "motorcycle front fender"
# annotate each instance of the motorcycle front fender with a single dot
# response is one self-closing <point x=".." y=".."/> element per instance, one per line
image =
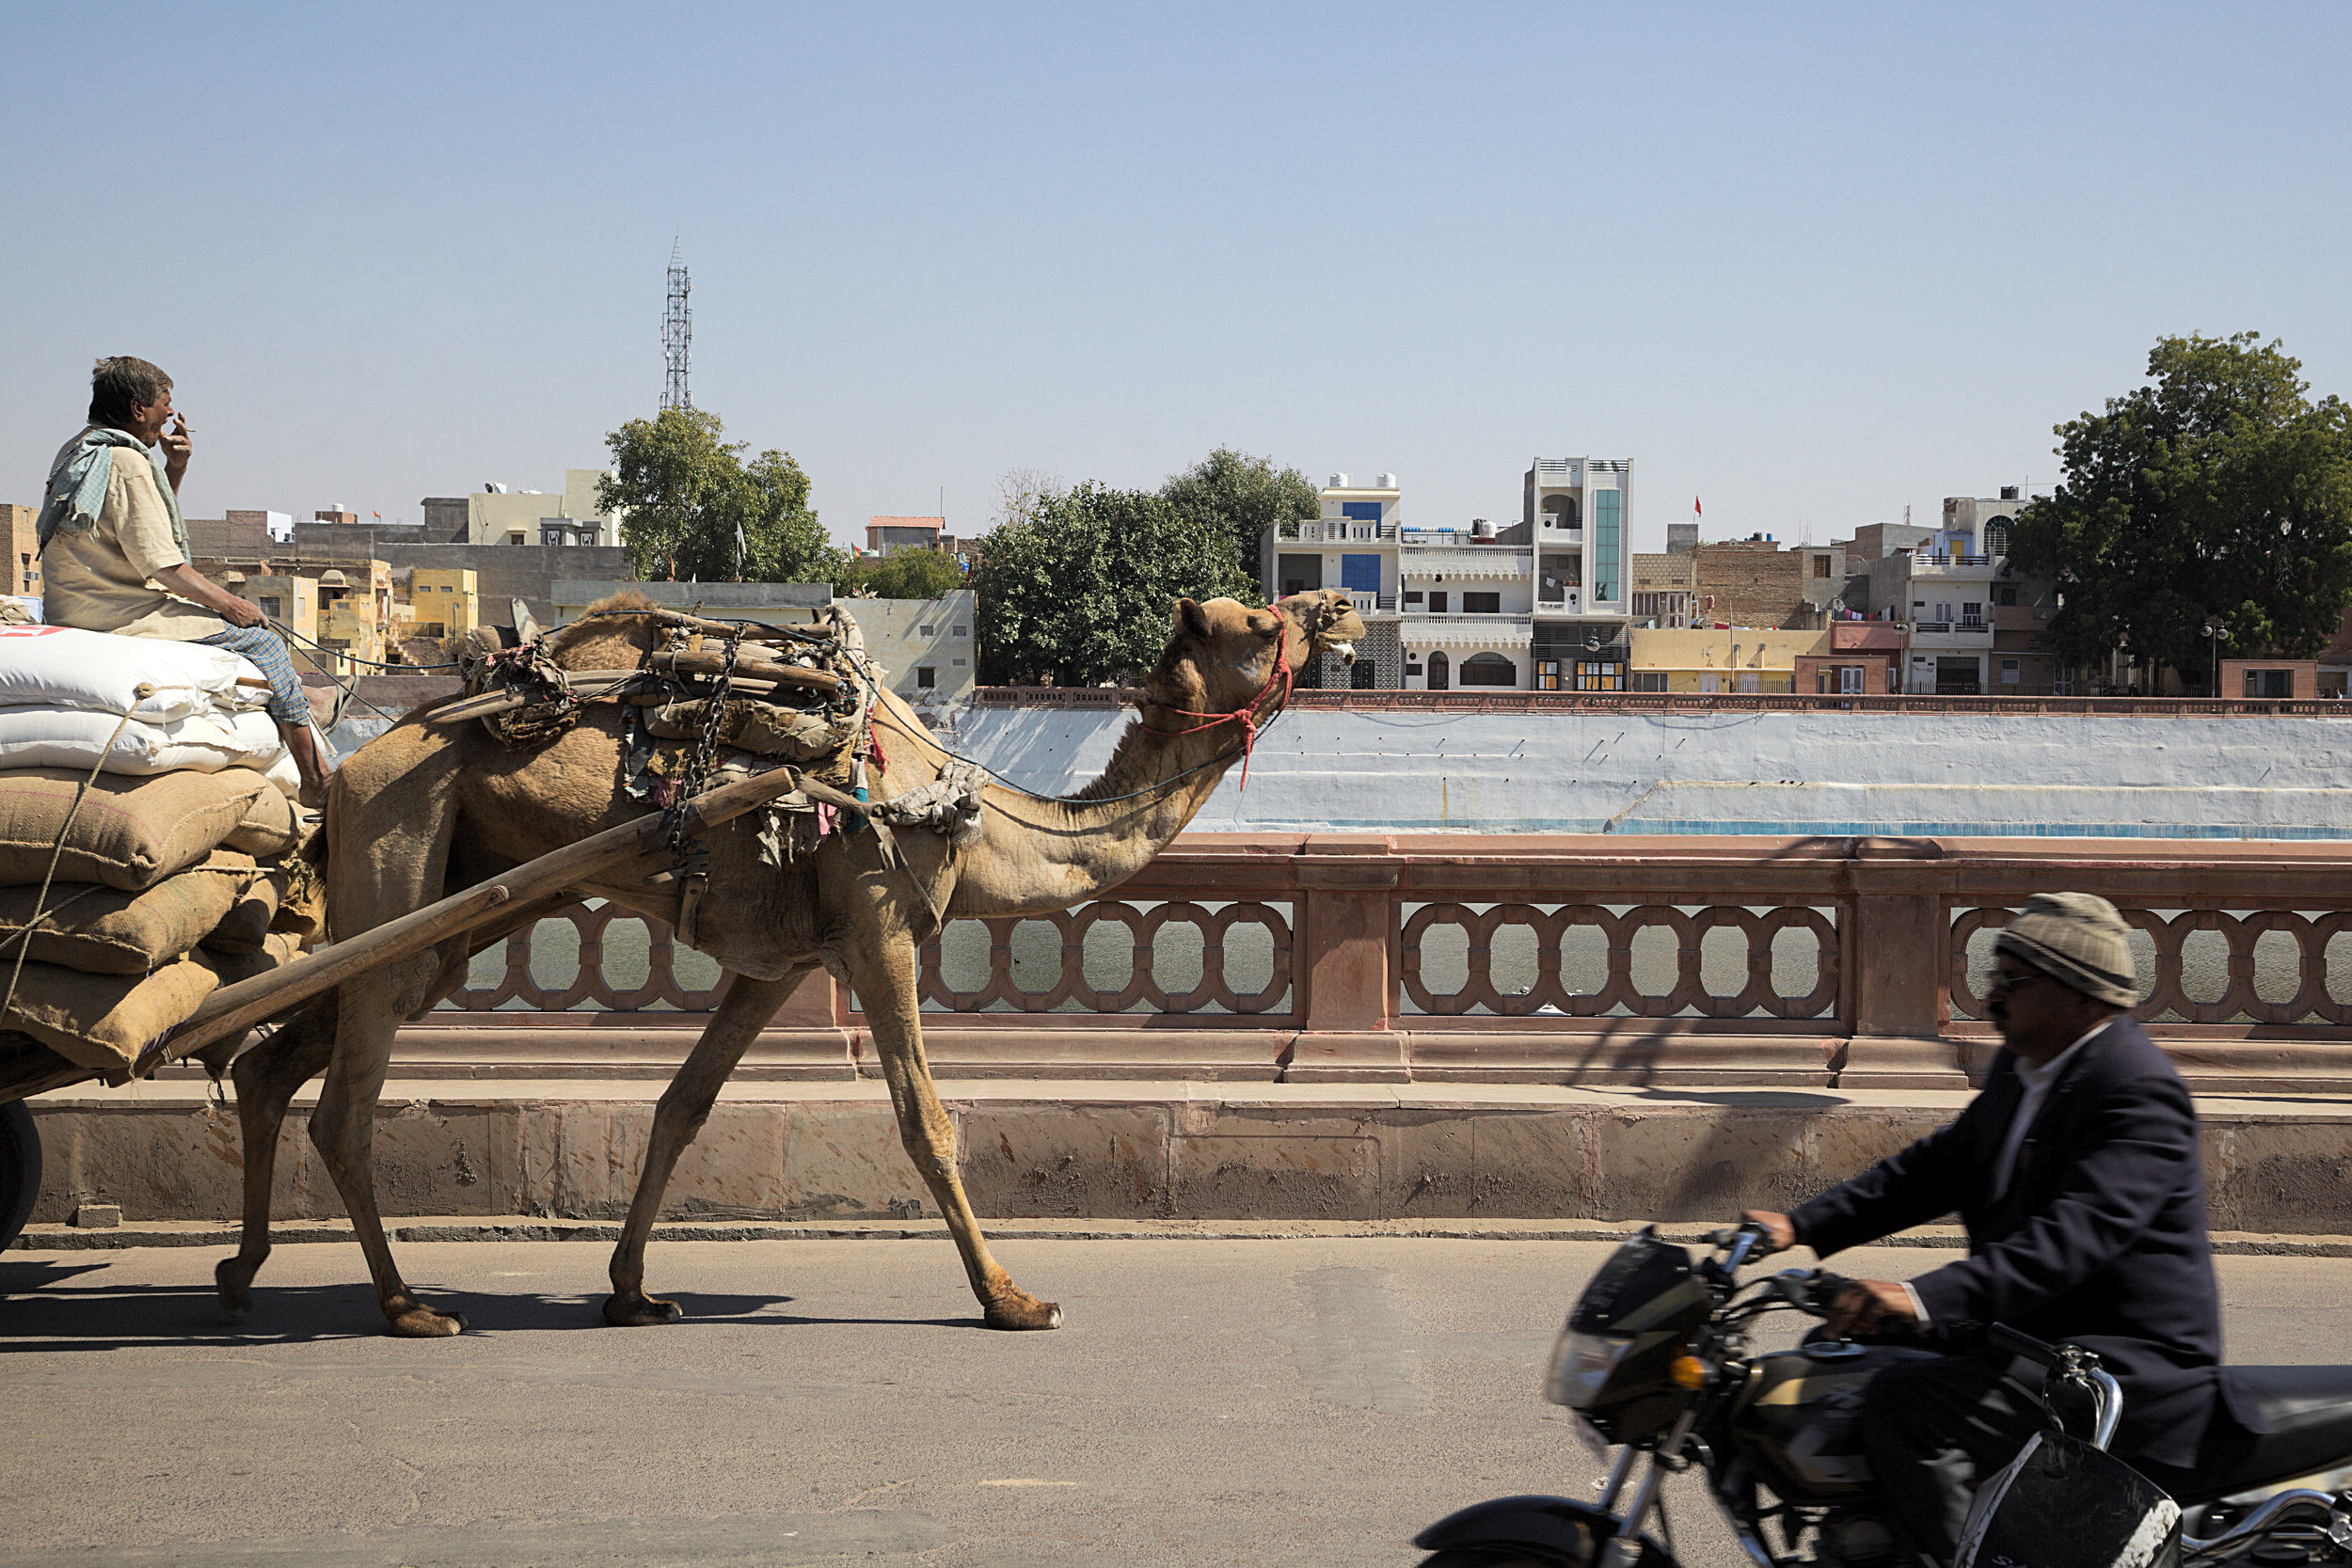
<point x="1557" y="1527"/>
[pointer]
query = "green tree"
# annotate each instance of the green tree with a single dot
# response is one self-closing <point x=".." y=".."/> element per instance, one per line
<point x="691" y="508"/>
<point x="1240" y="497"/>
<point x="1080" y="587"/>
<point x="910" y="573"/>
<point x="2218" y="494"/>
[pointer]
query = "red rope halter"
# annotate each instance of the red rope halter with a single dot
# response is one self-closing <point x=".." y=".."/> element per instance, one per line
<point x="1245" y="714"/>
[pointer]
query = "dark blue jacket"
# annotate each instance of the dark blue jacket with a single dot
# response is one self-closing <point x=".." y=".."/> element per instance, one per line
<point x="2099" y="1240"/>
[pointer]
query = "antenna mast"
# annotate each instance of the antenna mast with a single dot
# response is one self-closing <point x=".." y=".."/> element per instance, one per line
<point x="678" y="332"/>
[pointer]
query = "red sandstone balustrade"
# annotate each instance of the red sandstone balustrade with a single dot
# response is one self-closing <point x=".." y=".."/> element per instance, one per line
<point x="1387" y="698"/>
<point x="1501" y="957"/>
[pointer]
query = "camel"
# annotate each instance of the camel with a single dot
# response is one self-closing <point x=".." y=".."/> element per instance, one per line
<point x="425" y="810"/>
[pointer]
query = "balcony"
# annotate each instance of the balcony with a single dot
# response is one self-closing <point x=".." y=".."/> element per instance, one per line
<point x="1372" y="604"/>
<point x="1560" y="600"/>
<point x="1335" y="531"/>
<point x="1955" y="565"/>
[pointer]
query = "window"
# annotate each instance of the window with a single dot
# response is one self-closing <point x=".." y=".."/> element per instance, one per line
<point x="1489" y="669"/>
<point x="269" y="608"/>
<point x="1359" y="574"/>
<point x="963" y="631"/>
<point x="1972" y="616"/>
<point x="1368" y="512"/>
<point x="2269" y="683"/>
<point x="925" y="677"/>
<point x="1413" y="598"/>
<point x="1649" y="680"/>
<point x="1480" y="603"/>
<point x="922" y="631"/>
<point x="513" y="538"/>
<point x="2005" y="592"/>
<point x="1820" y="566"/>
<point x="1751" y="683"/>
<point x="957" y="662"/>
<point x="1607" y="519"/>
<point x="1710" y="681"/>
<point x="1436" y="604"/>
<point x="2009" y="671"/>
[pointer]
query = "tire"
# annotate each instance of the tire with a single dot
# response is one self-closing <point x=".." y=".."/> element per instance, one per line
<point x="19" y="1169"/>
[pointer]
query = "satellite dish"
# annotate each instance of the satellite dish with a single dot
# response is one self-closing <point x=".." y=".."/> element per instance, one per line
<point x="1837" y="606"/>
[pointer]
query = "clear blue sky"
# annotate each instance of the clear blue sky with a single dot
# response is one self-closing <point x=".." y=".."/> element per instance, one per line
<point x="1812" y="264"/>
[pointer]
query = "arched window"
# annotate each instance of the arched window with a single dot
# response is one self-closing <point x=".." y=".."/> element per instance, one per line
<point x="1438" y="681"/>
<point x="1489" y="669"/>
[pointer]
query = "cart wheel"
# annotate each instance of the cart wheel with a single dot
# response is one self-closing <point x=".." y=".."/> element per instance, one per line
<point x="20" y="1168"/>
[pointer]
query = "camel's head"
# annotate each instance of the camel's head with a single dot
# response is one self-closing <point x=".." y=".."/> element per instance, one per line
<point x="1223" y="655"/>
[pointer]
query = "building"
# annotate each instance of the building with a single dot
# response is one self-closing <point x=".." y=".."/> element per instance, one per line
<point x="1663" y="587"/>
<point x="925" y="645"/>
<point x="1350" y="545"/>
<point x="2282" y="679"/>
<point x="1975" y="625"/>
<point x="1711" y="659"/>
<point x="443" y="601"/>
<point x="1578" y="516"/>
<point x="1863" y="658"/>
<point x="500" y="516"/>
<point x="22" y="525"/>
<point x="887" y="535"/>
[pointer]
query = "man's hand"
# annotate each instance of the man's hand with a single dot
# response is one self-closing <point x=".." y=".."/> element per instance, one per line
<point x="177" y="445"/>
<point x="1779" y="1233"/>
<point x="1869" y="1305"/>
<point x="187" y="581"/>
<point x="240" y="613"/>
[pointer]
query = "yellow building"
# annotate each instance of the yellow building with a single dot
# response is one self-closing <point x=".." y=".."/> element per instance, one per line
<point x="443" y="601"/>
<point x="1759" y="659"/>
<point x="286" y="598"/>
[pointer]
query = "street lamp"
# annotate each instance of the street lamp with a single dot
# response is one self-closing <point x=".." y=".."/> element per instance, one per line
<point x="2217" y="634"/>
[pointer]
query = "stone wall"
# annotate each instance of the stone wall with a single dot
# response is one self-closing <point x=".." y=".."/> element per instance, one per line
<point x="1751" y="586"/>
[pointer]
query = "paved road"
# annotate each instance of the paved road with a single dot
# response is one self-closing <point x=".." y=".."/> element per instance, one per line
<point x="1209" y="1403"/>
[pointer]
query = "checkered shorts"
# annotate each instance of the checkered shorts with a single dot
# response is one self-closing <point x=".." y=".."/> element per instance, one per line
<point x="288" y="703"/>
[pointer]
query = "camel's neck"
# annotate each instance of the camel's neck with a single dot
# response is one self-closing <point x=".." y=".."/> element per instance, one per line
<point x="1035" y="855"/>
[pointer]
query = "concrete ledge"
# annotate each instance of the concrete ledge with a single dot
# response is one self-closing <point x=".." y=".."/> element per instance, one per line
<point x="796" y="1153"/>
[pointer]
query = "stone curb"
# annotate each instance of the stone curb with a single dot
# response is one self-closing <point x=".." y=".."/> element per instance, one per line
<point x="524" y="1228"/>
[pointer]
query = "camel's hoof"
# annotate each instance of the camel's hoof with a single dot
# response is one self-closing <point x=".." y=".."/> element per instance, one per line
<point x="640" y="1311"/>
<point x="235" y="1283"/>
<point x="1022" y="1311"/>
<point x="422" y="1322"/>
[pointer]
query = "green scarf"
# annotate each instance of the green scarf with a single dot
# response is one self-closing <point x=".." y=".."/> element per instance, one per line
<point x="77" y="487"/>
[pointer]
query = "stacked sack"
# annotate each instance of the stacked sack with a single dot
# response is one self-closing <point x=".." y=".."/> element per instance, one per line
<point x="170" y="874"/>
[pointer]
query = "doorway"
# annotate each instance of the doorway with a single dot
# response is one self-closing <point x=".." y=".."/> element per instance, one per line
<point x="1439" y="678"/>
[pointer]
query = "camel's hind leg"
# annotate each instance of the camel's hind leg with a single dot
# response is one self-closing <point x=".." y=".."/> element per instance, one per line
<point x="685" y="1105"/>
<point x="266" y="1078"/>
<point x="886" y="981"/>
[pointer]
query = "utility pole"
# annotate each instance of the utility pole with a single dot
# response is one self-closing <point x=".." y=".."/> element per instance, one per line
<point x="678" y="332"/>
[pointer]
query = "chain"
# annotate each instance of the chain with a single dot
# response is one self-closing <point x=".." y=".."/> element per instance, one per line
<point x="696" y="772"/>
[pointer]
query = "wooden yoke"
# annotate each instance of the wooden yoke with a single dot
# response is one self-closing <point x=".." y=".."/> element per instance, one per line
<point x="234" y="1008"/>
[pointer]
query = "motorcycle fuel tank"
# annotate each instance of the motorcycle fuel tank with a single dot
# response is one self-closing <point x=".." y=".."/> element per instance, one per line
<point x="1797" y="1420"/>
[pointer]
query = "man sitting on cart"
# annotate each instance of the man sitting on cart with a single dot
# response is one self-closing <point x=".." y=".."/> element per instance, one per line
<point x="2077" y="1174"/>
<point x="114" y="549"/>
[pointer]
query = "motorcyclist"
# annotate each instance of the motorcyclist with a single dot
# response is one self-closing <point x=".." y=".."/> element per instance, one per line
<point x="2077" y="1174"/>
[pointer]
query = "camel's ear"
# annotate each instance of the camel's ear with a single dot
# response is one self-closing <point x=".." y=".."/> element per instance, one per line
<point x="1192" y="618"/>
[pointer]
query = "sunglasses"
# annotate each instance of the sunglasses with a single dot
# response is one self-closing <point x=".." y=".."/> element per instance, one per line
<point x="2003" y="984"/>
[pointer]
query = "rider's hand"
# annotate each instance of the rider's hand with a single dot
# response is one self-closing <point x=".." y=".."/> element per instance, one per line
<point x="177" y="445"/>
<point x="240" y="613"/>
<point x="1779" y="1233"/>
<point x="1869" y="1305"/>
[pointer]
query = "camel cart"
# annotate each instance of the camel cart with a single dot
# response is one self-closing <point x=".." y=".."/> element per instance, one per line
<point x="230" y="1013"/>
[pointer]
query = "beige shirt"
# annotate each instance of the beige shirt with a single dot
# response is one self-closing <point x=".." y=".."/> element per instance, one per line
<point x="98" y="580"/>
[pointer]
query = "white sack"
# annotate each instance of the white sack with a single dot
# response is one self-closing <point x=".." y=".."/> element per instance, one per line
<point x="72" y="737"/>
<point x="62" y="667"/>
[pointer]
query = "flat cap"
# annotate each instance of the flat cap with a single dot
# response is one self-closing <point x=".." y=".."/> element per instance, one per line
<point x="2078" y="940"/>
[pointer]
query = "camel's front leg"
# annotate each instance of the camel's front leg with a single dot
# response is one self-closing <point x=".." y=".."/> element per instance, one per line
<point x="369" y="1011"/>
<point x="685" y="1105"/>
<point x="885" y="983"/>
<point x="266" y="1078"/>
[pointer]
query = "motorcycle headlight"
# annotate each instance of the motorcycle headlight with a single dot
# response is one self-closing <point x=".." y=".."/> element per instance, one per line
<point x="1580" y="1364"/>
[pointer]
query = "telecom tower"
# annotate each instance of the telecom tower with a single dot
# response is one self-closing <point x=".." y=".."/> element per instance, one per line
<point x="677" y="331"/>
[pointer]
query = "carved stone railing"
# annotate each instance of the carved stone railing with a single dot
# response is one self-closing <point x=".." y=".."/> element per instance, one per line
<point x="1470" y="957"/>
<point x="1388" y="698"/>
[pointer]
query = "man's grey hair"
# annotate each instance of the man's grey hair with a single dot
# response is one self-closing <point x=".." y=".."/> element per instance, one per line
<point x="121" y="383"/>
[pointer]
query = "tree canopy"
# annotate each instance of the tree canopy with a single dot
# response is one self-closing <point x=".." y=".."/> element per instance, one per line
<point x="1077" y="585"/>
<point x="2216" y="495"/>
<point x="908" y="574"/>
<point x="1239" y="496"/>
<point x="690" y="507"/>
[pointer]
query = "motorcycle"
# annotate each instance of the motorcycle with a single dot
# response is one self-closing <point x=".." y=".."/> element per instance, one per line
<point x="1655" y="1362"/>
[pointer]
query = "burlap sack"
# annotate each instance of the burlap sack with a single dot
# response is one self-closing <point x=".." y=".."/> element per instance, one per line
<point x="243" y="927"/>
<point x="103" y="1022"/>
<point x="269" y="828"/>
<point x="128" y="834"/>
<point x="104" y="930"/>
<point x="275" y="949"/>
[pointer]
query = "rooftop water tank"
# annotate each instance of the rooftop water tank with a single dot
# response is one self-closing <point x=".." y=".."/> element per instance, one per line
<point x="1388" y="482"/>
<point x="1338" y="481"/>
<point x="1482" y="528"/>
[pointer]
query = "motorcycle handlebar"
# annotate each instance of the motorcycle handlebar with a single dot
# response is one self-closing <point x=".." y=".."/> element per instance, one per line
<point x="2003" y="1337"/>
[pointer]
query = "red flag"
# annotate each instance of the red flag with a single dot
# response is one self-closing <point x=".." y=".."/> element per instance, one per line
<point x="1696" y="512"/>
